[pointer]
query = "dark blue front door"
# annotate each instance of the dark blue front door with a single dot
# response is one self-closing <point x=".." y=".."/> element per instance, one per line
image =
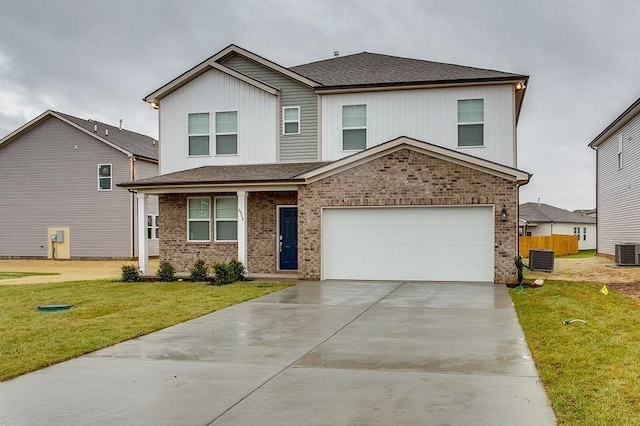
<point x="288" y="238"/>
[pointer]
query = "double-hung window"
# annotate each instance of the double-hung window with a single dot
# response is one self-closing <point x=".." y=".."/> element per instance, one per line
<point x="226" y="218"/>
<point x="470" y="122"/>
<point x="153" y="231"/>
<point x="227" y="133"/>
<point x="198" y="218"/>
<point x="354" y="127"/>
<point x="104" y="177"/>
<point x="291" y="120"/>
<point x="576" y="232"/>
<point x="199" y="133"/>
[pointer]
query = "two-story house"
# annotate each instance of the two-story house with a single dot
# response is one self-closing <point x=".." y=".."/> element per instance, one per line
<point x="58" y="193"/>
<point x="364" y="166"/>
<point x="618" y="181"/>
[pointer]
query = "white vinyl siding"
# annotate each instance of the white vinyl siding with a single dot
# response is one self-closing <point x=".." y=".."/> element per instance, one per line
<point x="291" y="120"/>
<point x="104" y="177"/>
<point x="198" y="219"/>
<point x="429" y="115"/>
<point x="618" y="189"/>
<point x="198" y="138"/>
<point x="226" y="218"/>
<point x="214" y="92"/>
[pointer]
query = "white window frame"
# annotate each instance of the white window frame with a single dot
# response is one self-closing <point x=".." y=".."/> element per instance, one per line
<point x="152" y="227"/>
<point x="470" y="123"/>
<point x="584" y="234"/>
<point x="208" y="135"/>
<point x="620" y="148"/>
<point x="189" y="220"/>
<point x="110" y="177"/>
<point x="354" y="127"/>
<point x="216" y="219"/>
<point x="285" y="121"/>
<point x="215" y="124"/>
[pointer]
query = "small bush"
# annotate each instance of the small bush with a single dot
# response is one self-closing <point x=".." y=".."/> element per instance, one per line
<point x="130" y="274"/>
<point x="236" y="270"/>
<point x="166" y="271"/>
<point x="222" y="275"/>
<point x="199" y="271"/>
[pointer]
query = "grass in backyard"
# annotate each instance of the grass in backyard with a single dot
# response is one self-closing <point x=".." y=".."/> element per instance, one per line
<point x="580" y="255"/>
<point x="590" y="371"/>
<point x="103" y="313"/>
<point x="9" y="275"/>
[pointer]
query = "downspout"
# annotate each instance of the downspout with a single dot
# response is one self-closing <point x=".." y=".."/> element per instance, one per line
<point x="595" y="148"/>
<point x="132" y="160"/>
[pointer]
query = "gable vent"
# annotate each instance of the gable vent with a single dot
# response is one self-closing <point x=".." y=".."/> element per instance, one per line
<point x="628" y="254"/>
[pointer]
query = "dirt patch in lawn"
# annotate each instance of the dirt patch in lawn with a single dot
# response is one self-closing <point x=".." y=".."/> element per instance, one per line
<point x="67" y="270"/>
<point x="625" y="279"/>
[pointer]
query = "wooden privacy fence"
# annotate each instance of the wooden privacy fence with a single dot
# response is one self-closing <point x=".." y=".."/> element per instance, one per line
<point x="560" y="244"/>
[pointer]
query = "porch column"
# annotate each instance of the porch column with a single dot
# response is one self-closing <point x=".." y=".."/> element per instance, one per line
<point x="143" y="245"/>
<point x="242" y="227"/>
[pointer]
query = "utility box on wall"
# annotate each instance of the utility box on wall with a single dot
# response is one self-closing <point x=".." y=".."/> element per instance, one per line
<point x="58" y="243"/>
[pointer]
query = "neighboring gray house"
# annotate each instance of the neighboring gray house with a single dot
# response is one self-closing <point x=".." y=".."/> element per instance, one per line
<point x="537" y="220"/>
<point x="618" y="181"/>
<point x="60" y="173"/>
<point x="363" y="166"/>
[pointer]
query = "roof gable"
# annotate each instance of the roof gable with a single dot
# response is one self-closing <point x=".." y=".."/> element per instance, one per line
<point x="125" y="141"/>
<point x="628" y="115"/>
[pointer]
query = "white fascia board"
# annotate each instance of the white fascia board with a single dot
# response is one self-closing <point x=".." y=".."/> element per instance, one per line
<point x="25" y="127"/>
<point x="195" y="189"/>
<point x="628" y="115"/>
<point x="422" y="147"/>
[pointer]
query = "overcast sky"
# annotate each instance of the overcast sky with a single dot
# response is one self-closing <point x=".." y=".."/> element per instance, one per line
<point x="98" y="59"/>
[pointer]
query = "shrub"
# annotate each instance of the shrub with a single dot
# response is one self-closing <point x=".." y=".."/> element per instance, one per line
<point x="199" y="271"/>
<point x="166" y="271"/>
<point x="227" y="273"/>
<point x="130" y="274"/>
<point x="236" y="270"/>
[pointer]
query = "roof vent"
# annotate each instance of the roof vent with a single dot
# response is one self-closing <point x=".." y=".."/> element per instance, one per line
<point x="336" y="53"/>
<point x="628" y="254"/>
<point x="120" y="124"/>
<point x="95" y="128"/>
<point x="106" y="132"/>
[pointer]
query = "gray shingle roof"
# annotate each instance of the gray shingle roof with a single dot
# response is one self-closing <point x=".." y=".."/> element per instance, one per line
<point x="238" y="174"/>
<point x="544" y="213"/>
<point x="135" y="143"/>
<point x="364" y="69"/>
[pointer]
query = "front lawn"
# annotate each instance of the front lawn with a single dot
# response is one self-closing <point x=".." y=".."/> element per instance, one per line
<point x="10" y="275"/>
<point x="591" y="371"/>
<point x="103" y="313"/>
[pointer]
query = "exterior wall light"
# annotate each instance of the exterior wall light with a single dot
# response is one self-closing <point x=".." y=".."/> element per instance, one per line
<point x="503" y="214"/>
<point x="155" y="105"/>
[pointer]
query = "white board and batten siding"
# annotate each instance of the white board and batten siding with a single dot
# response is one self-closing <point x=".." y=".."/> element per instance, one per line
<point x="619" y="189"/>
<point x="409" y="243"/>
<point x="215" y="91"/>
<point x="297" y="147"/>
<point x="429" y="115"/>
<point x="48" y="178"/>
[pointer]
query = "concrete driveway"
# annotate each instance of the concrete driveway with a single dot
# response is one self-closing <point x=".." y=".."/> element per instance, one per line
<point x="319" y="353"/>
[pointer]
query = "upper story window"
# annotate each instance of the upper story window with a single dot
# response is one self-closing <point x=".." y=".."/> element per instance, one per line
<point x="291" y="120"/>
<point x="198" y="219"/>
<point x="153" y="231"/>
<point x="227" y="133"/>
<point x="104" y="177"/>
<point x="620" y="146"/>
<point x="471" y="122"/>
<point x="354" y="127"/>
<point x="226" y="219"/>
<point x="199" y="133"/>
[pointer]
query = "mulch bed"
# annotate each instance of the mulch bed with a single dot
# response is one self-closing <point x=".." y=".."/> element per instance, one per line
<point x="631" y="289"/>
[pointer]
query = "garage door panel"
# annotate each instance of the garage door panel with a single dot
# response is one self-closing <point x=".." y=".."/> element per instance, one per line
<point x="411" y="243"/>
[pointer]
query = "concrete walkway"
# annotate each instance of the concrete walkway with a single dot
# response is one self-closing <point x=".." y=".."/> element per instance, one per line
<point x="329" y="353"/>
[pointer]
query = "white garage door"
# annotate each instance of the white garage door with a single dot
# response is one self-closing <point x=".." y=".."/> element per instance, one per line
<point x="408" y="243"/>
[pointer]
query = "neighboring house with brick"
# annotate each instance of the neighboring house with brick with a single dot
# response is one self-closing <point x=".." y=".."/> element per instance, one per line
<point x="364" y="166"/>
<point x="58" y="176"/>
<point x="618" y="181"/>
<point x="539" y="220"/>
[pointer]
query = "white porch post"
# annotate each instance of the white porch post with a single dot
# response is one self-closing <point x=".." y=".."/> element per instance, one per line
<point x="242" y="227"/>
<point x="143" y="245"/>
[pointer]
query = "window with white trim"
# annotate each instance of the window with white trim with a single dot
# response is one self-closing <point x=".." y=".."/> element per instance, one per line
<point x="227" y="133"/>
<point x="576" y="232"/>
<point x="199" y="129"/>
<point x="226" y="219"/>
<point x="470" y="122"/>
<point x="620" y="147"/>
<point x="354" y="127"/>
<point x="104" y="177"/>
<point x="584" y="234"/>
<point x="153" y="231"/>
<point x="291" y="120"/>
<point x="198" y="219"/>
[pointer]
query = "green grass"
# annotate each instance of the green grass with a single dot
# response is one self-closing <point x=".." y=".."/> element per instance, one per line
<point x="580" y="255"/>
<point x="591" y="372"/>
<point x="9" y="275"/>
<point x="103" y="313"/>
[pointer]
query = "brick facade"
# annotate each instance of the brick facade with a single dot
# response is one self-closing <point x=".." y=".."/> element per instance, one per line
<point x="408" y="178"/>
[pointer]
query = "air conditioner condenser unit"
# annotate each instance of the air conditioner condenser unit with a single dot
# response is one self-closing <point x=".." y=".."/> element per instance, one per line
<point x="628" y="254"/>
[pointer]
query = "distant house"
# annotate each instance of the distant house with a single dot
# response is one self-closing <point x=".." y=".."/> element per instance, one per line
<point x="543" y="220"/>
<point x="618" y="181"/>
<point x="587" y="212"/>
<point x="58" y="189"/>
